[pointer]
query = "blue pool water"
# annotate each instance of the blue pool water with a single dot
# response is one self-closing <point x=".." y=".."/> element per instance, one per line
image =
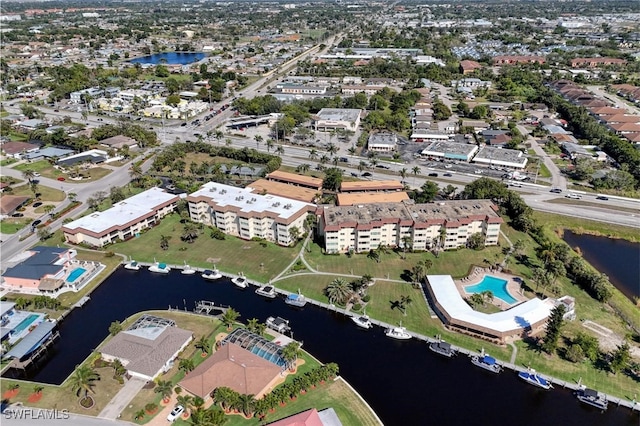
<point x="75" y="274"/>
<point x="274" y="358"/>
<point x="25" y="323"/>
<point x="182" y="58"/>
<point x="495" y="285"/>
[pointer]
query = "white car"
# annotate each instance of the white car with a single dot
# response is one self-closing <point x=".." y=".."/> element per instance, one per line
<point x="175" y="413"/>
<point x="573" y="196"/>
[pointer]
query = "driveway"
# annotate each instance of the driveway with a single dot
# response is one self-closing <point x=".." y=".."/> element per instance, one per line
<point x="130" y="389"/>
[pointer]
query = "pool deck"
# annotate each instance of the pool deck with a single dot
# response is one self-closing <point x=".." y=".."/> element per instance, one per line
<point x="476" y="276"/>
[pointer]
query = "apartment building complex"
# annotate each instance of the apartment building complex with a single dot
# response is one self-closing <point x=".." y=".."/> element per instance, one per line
<point x="122" y="221"/>
<point x="423" y="226"/>
<point x="240" y="212"/>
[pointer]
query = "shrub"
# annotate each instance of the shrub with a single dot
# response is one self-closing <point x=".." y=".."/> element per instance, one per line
<point x="109" y="254"/>
<point x="366" y="298"/>
<point x="357" y="307"/>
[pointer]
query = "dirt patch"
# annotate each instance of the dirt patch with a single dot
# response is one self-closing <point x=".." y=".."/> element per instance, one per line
<point x="609" y="341"/>
<point x="213" y="259"/>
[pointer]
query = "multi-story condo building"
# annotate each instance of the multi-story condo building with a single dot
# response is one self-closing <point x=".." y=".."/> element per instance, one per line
<point x="240" y="212"/>
<point x="122" y="221"/>
<point x="422" y="226"/>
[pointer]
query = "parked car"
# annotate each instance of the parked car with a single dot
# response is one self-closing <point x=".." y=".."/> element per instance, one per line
<point x="175" y="413"/>
<point x="17" y="215"/>
<point x="36" y="223"/>
<point x="38" y="204"/>
<point x="36" y="174"/>
<point x="61" y="179"/>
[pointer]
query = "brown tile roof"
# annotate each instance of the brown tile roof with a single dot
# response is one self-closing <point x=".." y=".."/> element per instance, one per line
<point x="296" y="179"/>
<point x="623" y="118"/>
<point x="119" y="141"/>
<point x="233" y="367"/>
<point x="264" y="186"/>
<point x="12" y="148"/>
<point x="371" y="185"/>
<point x="306" y="418"/>
<point x="371" y="197"/>
<point x="10" y="203"/>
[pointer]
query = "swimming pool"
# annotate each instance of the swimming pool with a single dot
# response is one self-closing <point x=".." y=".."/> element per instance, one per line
<point x="25" y="323"/>
<point x="75" y="274"/>
<point x="269" y="356"/>
<point x="495" y="285"/>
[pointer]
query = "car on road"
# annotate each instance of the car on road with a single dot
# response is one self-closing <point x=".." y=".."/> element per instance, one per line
<point x="344" y="159"/>
<point x="573" y="196"/>
<point x="36" y="174"/>
<point x="38" y="204"/>
<point x="175" y="413"/>
<point x="56" y="110"/>
<point x="183" y="124"/>
<point x="99" y="119"/>
<point x="36" y="223"/>
<point x="61" y="179"/>
<point x="382" y="166"/>
<point x="556" y="190"/>
<point x="602" y="198"/>
<point x="447" y="175"/>
<point x="17" y="215"/>
<point x="433" y="174"/>
<point x="367" y="174"/>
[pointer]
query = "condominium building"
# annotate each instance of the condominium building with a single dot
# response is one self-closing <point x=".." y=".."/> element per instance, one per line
<point x="240" y="212"/>
<point x="423" y="226"/>
<point x="122" y="221"/>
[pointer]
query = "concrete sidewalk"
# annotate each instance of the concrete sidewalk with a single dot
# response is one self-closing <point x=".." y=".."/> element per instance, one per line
<point x="118" y="403"/>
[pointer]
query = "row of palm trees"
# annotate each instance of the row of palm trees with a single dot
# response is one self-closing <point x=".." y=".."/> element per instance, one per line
<point x="230" y="400"/>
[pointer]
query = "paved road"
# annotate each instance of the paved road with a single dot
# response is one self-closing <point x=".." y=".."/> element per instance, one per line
<point x="617" y="101"/>
<point x="557" y="178"/>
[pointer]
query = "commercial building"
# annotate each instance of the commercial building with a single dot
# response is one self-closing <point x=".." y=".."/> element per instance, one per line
<point x="122" y="221"/>
<point x="523" y="319"/>
<point x="447" y="225"/>
<point x="295" y="179"/>
<point x="500" y="157"/>
<point x="382" y="142"/>
<point x="241" y="212"/>
<point x="337" y="118"/>
<point x="450" y="150"/>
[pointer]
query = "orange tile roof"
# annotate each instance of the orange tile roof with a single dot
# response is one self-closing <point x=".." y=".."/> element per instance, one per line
<point x="371" y="185"/>
<point x="351" y="199"/>
<point x="264" y="186"/>
<point x="295" y="178"/>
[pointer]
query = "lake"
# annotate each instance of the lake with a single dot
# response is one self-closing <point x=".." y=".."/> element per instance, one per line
<point x="618" y="259"/>
<point x="170" y="58"/>
<point x="404" y="382"/>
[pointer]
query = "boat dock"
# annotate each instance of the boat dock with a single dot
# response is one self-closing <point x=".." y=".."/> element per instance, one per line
<point x="80" y="303"/>
<point x="205" y="307"/>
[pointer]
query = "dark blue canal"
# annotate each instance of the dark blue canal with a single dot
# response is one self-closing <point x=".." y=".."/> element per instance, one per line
<point x="404" y="382"/>
<point x="182" y="58"/>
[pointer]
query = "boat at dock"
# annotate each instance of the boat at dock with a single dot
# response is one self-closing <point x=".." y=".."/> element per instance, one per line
<point x="592" y="397"/>
<point x="132" y="265"/>
<point x="240" y="281"/>
<point x="278" y="324"/>
<point x="160" y="268"/>
<point x="362" y="321"/>
<point x="487" y="362"/>
<point x="442" y="348"/>
<point x="530" y="376"/>
<point x="399" y="333"/>
<point x="187" y="270"/>
<point x="296" y="299"/>
<point x="211" y="274"/>
<point x="267" y="291"/>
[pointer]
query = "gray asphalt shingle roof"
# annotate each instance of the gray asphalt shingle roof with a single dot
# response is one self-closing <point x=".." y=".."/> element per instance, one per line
<point x="40" y="264"/>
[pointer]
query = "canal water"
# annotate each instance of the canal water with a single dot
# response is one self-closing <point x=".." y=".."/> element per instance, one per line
<point x="404" y="382"/>
<point x="171" y="58"/>
<point x="618" y="259"/>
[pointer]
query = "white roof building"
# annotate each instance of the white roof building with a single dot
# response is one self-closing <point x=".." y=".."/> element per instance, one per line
<point x="338" y="118"/>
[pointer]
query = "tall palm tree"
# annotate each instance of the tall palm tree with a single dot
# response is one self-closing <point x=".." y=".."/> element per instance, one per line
<point x="303" y="168"/>
<point x="203" y="344"/>
<point x="28" y="174"/>
<point x="186" y="365"/>
<point x="270" y="144"/>
<point x="313" y="154"/>
<point x="403" y="173"/>
<point x="164" y="388"/>
<point x="252" y="325"/>
<point x="404" y="302"/>
<point x="416" y="171"/>
<point x="407" y="244"/>
<point x="280" y="150"/>
<point x="229" y="317"/>
<point x="83" y="380"/>
<point x="246" y="404"/>
<point x="290" y="353"/>
<point x="338" y="291"/>
<point x="258" y="139"/>
<point x="185" y="401"/>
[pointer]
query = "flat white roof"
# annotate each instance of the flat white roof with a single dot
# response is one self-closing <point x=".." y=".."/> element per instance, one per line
<point x="339" y="114"/>
<point x="123" y="212"/>
<point x="247" y="201"/>
<point x="521" y="316"/>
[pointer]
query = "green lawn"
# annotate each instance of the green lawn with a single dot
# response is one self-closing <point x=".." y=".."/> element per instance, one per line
<point x="544" y="171"/>
<point x="46" y="169"/>
<point x="36" y="166"/>
<point x="12" y="225"/>
<point x="231" y="255"/>
<point x="587" y="226"/>
<point x="46" y="193"/>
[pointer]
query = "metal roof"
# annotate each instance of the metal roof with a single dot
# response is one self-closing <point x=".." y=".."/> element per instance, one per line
<point x="31" y="340"/>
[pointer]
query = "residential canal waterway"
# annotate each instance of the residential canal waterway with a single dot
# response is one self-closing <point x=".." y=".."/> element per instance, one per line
<point x="618" y="259"/>
<point x="170" y="58"/>
<point x="404" y="382"/>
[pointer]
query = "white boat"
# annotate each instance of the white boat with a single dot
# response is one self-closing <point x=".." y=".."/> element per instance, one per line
<point x="187" y="270"/>
<point x="160" y="268"/>
<point x="592" y="397"/>
<point x="362" y="321"/>
<point x="487" y="362"/>
<point x="278" y="324"/>
<point x="530" y="376"/>
<point x="296" y="299"/>
<point x="240" y="281"/>
<point x="268" y="291"/>
<point x="399" y="333"/>
<point x="211" y="274"/>
<point x="132" y="265"/>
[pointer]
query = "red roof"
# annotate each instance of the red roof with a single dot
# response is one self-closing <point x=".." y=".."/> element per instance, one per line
<point x="306" y="418"/>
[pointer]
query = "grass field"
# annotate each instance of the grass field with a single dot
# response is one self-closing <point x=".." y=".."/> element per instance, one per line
<point x="232" y="255"/>
<point x="46" y="169"/>
<point x="46" y="193"/>
<point x="12" y="225"/>
<point x="584" y="226"/>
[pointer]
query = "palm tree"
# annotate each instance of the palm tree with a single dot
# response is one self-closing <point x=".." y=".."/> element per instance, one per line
<point x="225" y="397"/>
<point x="185" y="401"/>
<point x="252" y="325"/>
<point x="28" y="174"/>
<point x="270" y="144"/>
<point x="258" y="139"/>
<point x="246" y="404"/>
<point x="203" y="344"/>
<point x="186" y="365"/>
<point x="135" y="172"/>
<point x="416" y="171"/>
<point x="139" y="415"/>
<point x="83" y="380"/>
<point x="164" y="242"/>
<point x="37" y="389"/>
<point x="338" y="291"/>
<point x="290" y="353"/>
<point x="72" y="196"/>
<point x="403" y="173"/>
<point x="407" y="244"/>
<point x="332" y="149"/>
<point x="361" y="166"/>
<point x="190" y="232"/>
<point x="303" y="168"/>
<point x="165" y="389"/>
<point x="374" y="255"/>
<point x="229" y="317"/>
<point x="280" y="150"/>
<point x="313" y="154"/>
<point x="404" y="302"/>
